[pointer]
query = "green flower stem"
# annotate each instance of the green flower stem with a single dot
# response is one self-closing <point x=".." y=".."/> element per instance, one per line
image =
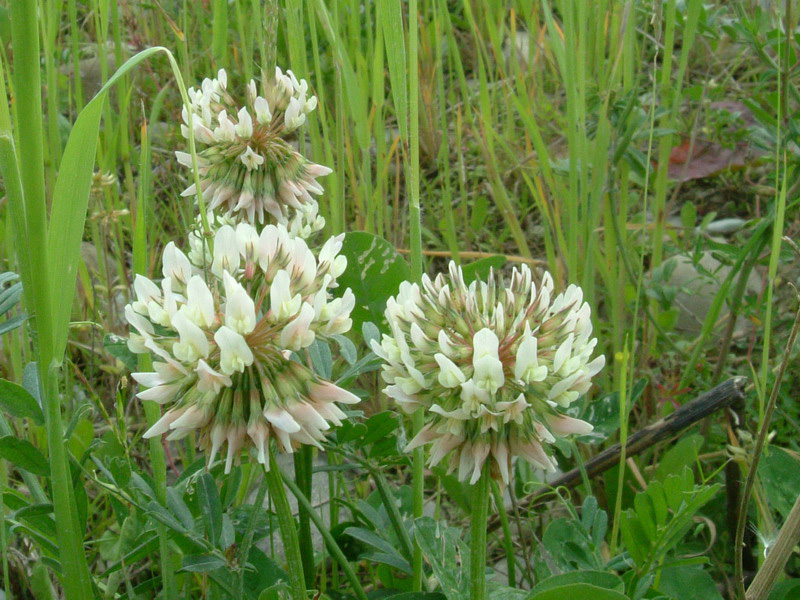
<point x="330" y="543"/>
<point x="3" y="541"/>
<point x="508" y="540"/>
<point x="152" y="411"/>
<point x="415" y="243"/>
<point x="418" y="495"/>
<point x="291" y="545"/>
<point x="393" y="512"/>
<point x="247" y="539"/>
<point x="477" y="557"/>
<point x="303" y="471"/>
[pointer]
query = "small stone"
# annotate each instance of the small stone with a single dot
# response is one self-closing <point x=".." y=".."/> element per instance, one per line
<point x="697" y="289"/>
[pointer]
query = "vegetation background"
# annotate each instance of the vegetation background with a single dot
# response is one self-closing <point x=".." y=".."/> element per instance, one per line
<point x="644" y="149"/>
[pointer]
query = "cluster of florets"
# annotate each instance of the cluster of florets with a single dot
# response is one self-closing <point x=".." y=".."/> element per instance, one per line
<point x="246" y="162"/>
<point x="222" y="333"/>
<point x="493" y="366"/>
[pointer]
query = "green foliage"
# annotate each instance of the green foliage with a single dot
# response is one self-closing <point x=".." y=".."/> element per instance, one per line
<point x="375" y="271"/>
<point x="597" y="579"/>
<point x="661" y="517"/>
<point x="550" y="130"/>
<point x="779" y="472"/>
<point x="445" y="549"/>
<point x="18" y="402"/>
<point x="24" y="455"/>
<point x="579" y="591"/>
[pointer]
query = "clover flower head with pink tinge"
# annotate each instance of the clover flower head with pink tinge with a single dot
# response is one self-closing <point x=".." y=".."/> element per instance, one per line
<point x="222" y="336"/>
<point x="493" y="365"/>
<point x="246" y="161"/>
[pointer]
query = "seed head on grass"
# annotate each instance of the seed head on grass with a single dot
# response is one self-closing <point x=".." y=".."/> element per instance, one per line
<point x="222" y="335"/>
<point x="493" y="366"/>
<point x="247" y="163"/>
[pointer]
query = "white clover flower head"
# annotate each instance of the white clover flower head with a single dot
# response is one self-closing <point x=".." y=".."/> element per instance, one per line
<point x="221" y="330"/>
<point x="493" y="366"/>
<point x="247" y="163"/>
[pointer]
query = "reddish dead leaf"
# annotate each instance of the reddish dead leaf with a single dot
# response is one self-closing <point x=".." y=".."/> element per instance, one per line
<point x="705" y="158"/>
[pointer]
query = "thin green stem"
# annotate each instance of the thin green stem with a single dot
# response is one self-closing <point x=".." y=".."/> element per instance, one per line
<point x="394" y="513"/>
<point x="303" y="466"/>
<point x="508" y="540"/>
<point x="415" y="243"/>
<point x="3" y="540"/>
<point x="623" y="440"/>
<point x="152" y="411"/>
<point x="270" y="41"/>
<point x="247" y="538"/>
<point x="291" y="546"/>
<point x="477" y="555"/>
<point x="330" y="543"/>
<point x="418" y="495"/>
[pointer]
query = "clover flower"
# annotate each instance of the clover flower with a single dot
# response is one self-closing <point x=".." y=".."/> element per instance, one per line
<point x="246" y="162"/>
<point x="493" y="366"/>
<point x="306" y="222"/>
<point x="222" y="339"/>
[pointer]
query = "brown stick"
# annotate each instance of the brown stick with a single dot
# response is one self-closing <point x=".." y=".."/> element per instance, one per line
<point x="690" y="413"/>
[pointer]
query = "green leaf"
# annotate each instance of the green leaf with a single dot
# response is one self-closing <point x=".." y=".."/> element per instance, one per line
<point x="445" y="549"/>
<point x="390" y="14"/>
<point x="9" y="297"/>
<point x="370" y="332"/>
<point x="785" y="590"/>
<point x="688" y="215"/>
<point x="688" y="583"/>
<point x="371" y="539"/>
<point x="603" y="413"/>
<point x="347" y="349"/>
<point x="779" y="473"/>
<point x="70" y="201"/>
<point x="380" y="426"/>
<point x="117" y="347"/>
<point x="321" y="359"/>
<point x="393" y="560"/>
<point x="161" y="514"/>
<point x="274" y="592"/>
<point x="263" y="573"/>
<point x="201" y="563"/>
<point x="506" y="593"/>
<point x="414" y="596"/>
<point x="18" y="402"/>
<point x="601" y="579"/>
<point x="577" y="591"/>
<point x="12" y="323"/>
<point x="571" y="546"/>
<point x="374" y="272"/>
<point x="210" y="506"/>
<point x="683" y="454"/>
<point x="23" y="455"/>
<point x="481" y="268"/>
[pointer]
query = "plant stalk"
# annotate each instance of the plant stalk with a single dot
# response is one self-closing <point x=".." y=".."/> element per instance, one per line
<point x="508" y="540"/>
<point x="291" y="545"/>
<point x="247" y="540"/>
<point x="330" y="543"/>
<point x="480" y="513"/>
<point x="303" y="471"/>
